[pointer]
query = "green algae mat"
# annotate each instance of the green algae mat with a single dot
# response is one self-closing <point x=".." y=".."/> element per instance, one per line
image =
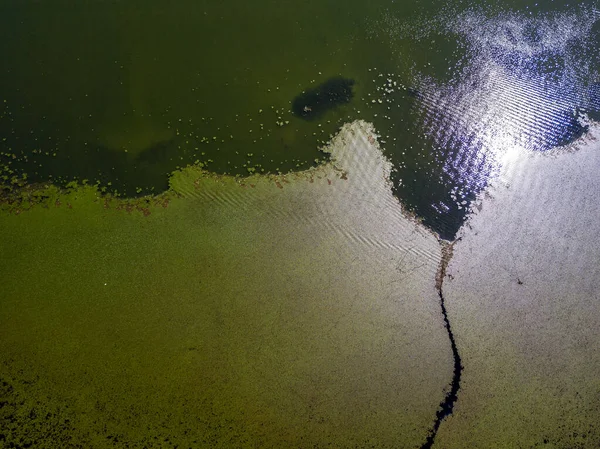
<point x="229" y="312"/>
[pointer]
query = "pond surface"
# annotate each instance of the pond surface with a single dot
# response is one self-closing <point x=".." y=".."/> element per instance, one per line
<point x="194" y="254"/>
<point x="123" y="93"/>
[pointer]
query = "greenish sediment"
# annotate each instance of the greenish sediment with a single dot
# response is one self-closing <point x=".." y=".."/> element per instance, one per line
<point x="288" y="311"/>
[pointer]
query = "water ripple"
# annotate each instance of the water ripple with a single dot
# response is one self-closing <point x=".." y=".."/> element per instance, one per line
<point x="530" y="84"/>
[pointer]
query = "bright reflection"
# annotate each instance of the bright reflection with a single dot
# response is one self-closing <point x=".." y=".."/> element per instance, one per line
<point x="527" y="87"/>
<point x="509" y="156"/>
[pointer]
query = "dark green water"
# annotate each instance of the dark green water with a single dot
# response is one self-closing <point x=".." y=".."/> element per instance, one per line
<point x="127" y="92"/>
<point x="123" y="93"/>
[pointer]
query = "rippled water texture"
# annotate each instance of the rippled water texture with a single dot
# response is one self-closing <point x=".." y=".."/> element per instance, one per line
<point x="527" y="82"/>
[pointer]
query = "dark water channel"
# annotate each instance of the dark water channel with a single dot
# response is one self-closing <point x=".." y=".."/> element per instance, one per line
<point x="123" y="93"/>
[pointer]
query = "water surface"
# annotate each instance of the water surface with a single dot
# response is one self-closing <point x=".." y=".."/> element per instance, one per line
<point x="263" y="311"/>
<point x="124" y="93"/>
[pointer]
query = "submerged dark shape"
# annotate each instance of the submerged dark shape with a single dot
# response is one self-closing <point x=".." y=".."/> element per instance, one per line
<point x="315" y="102"/>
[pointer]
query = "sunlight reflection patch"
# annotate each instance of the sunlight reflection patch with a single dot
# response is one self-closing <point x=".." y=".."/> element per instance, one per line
<point x="530" y="85"/>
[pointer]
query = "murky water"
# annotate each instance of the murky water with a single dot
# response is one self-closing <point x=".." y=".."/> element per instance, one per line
<point x="124" y="93"/>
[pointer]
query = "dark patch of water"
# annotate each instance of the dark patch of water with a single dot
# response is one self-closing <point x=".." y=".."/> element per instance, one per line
<point x="315" y="102"/>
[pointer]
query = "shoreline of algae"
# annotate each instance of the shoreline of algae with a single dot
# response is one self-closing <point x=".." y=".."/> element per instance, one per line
<point x="279" y="312"/>
<point x="20" y="197"/>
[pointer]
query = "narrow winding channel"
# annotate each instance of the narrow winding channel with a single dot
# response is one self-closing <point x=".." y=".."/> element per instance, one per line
<point x="447" y="405"/>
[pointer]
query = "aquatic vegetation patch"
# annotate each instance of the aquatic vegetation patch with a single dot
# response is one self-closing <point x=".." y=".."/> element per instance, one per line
<point x="210" y="319"/>
<point x="47" y="195"/>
